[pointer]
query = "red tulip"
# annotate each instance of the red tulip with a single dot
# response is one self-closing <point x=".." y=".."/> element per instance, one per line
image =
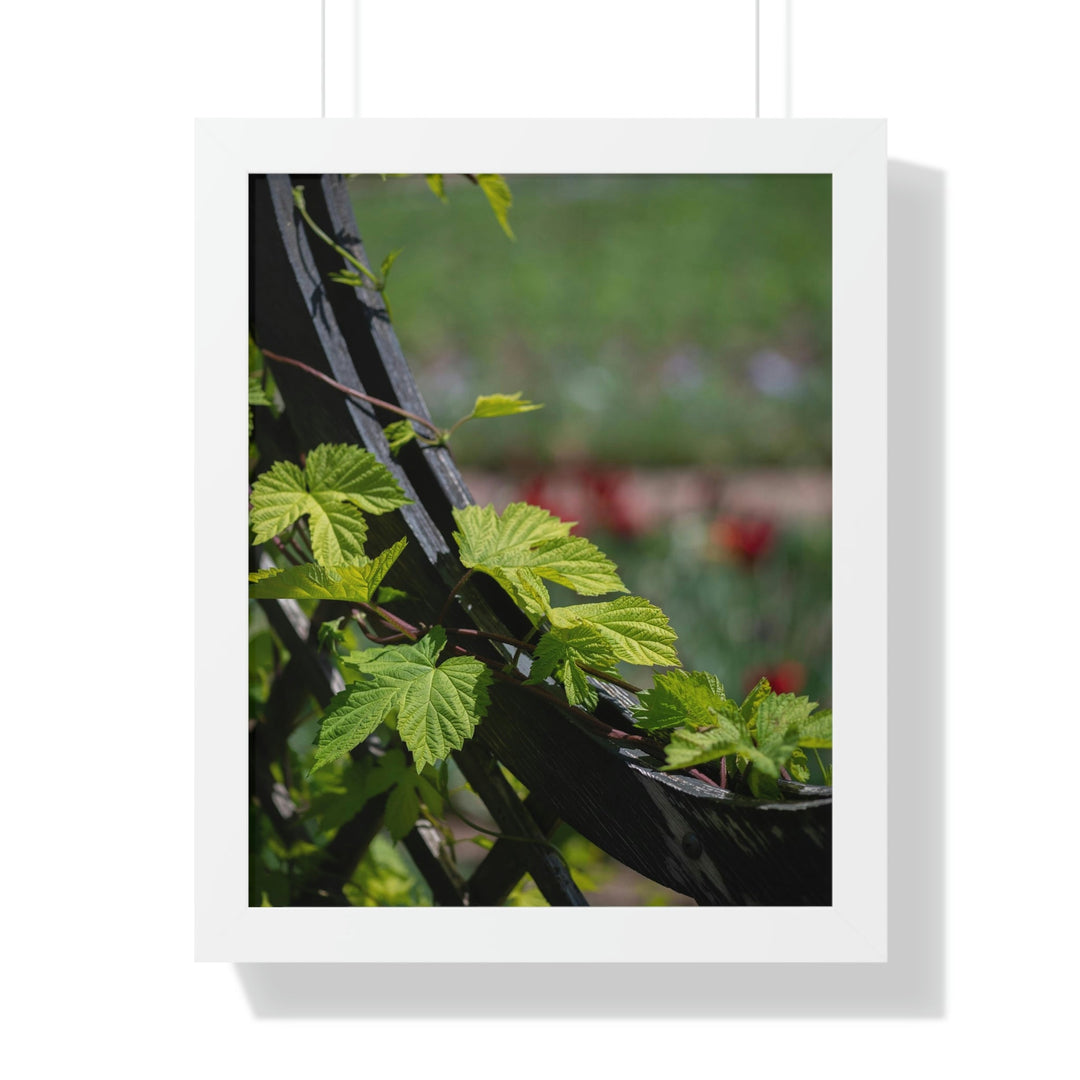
<point x="787" y="677"/>
<point x="745" y="539"/>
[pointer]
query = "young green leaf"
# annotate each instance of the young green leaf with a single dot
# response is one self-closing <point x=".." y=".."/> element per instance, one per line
<point x="754" y="699"/>
<point x="398" y="434"/>
<point x="779" y="719"/>
<point x="488" y="405"/>
<point x="387" y="263"/>
<point x="815" y="731"/>
<point x="331" y="635"/>
<point x="435" y="182"/>
<point x="799" y="767"/>
<point x="689" y="747"/>
<point x="435" y="706"/>
<point x="633" y="629"/>
<point x="560" y="651"/>
<point x="526" y="543"/>
<point x="309" y="581"/>
<point x="256" y="393"/>
<point x="695" y="698"/>
<point x="498" y="195"/>
<point x="337" y="482"/>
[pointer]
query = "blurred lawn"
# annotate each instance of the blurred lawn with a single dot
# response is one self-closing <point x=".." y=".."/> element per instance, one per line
<point x="661" y="319"/>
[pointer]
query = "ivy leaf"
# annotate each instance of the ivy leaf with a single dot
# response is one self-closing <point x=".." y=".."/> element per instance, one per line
<point x="435" y="182"/>
<point x="694" y="698"/>
<point x="488" y="405"/>
<point x="436" y="706"/>
<point x="398" y="434"/>
<point x="526" y="543"/>
<point x="354" y="582"/>
<point x="498" y="195"/>
<point x="337" y="482"/>
<point x="560" y="651"/>
<point x="816" y="731"/>
<point x="633" y="629"/>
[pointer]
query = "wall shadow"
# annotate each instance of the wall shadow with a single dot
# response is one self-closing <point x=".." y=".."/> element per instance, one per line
<point x="912" y="983"/>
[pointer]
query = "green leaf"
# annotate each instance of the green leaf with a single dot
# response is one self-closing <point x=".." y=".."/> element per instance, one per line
<point x="347" y="277"/>
<point x="633" y="629"/>
<point x="688" y="747"/>
<point x="337" y="482"/>
<point x="435" y="182"/>
<point x="754" y="699"/>
<point x="436" y="706"/>
<point x="331" y="634"/>
<point x="799" y="767"/>
<point x="816" y="731"/>
<point x="399" y="434"/>
<point x="498" y="194"/>
<point x="387" y="263"/>
<point x="354" y="582"/>
<point x="279" y="497"/>
<point x="526" y="543"/>
<point x="501" y="405"/>
<point x="387" y="594"/>
<point x="349" y="474"/>
<point x="256" y="393"/>
<point x="560" y="651"/>
<point x="402" y="809"/>
<point x="695" y="698"/>
<point x="779" y="719"/>
<point x="428" y="790"/>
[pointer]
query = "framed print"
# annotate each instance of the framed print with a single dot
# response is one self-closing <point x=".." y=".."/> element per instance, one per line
<point x="506" y="662"/>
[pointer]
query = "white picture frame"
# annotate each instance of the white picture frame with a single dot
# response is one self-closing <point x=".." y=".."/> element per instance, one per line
<point x="854" y="928"/>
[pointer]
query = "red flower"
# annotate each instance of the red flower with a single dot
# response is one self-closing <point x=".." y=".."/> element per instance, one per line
<point x="610" y="501"/>
<point x="787" y="677"/>
<point x="745" y="539"/>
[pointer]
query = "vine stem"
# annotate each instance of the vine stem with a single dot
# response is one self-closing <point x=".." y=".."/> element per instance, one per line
<point x="467" y="632"/>
<point x="377" y="402"/>
<point x="453" y="592"/>
<point x="613" y="679"/>
<point x="410" y="631"/>
<point x="527" y="647"/>
<point x="285" y="551"/>
<point x="697" y="774"/>
<point x="598" y="725"/>
<point x="301" y="205"/>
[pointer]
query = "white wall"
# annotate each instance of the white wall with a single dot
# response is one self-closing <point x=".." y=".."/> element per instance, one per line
<point x="98" y="936"/>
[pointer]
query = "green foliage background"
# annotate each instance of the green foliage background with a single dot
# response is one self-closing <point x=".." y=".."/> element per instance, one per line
<point x="616" y="282"/>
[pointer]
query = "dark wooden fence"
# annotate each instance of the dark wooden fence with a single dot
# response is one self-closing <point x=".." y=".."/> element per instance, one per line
<point x="710" y="844"/>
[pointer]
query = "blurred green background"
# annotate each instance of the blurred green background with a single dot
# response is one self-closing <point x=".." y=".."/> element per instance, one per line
<point x="647" y="312"/>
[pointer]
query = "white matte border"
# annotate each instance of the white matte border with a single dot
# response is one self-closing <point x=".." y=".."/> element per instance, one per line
<point x="854" y="928"/>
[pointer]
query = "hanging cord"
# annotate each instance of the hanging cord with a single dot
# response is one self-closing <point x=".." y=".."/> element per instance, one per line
<point x="757" y="59"/>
